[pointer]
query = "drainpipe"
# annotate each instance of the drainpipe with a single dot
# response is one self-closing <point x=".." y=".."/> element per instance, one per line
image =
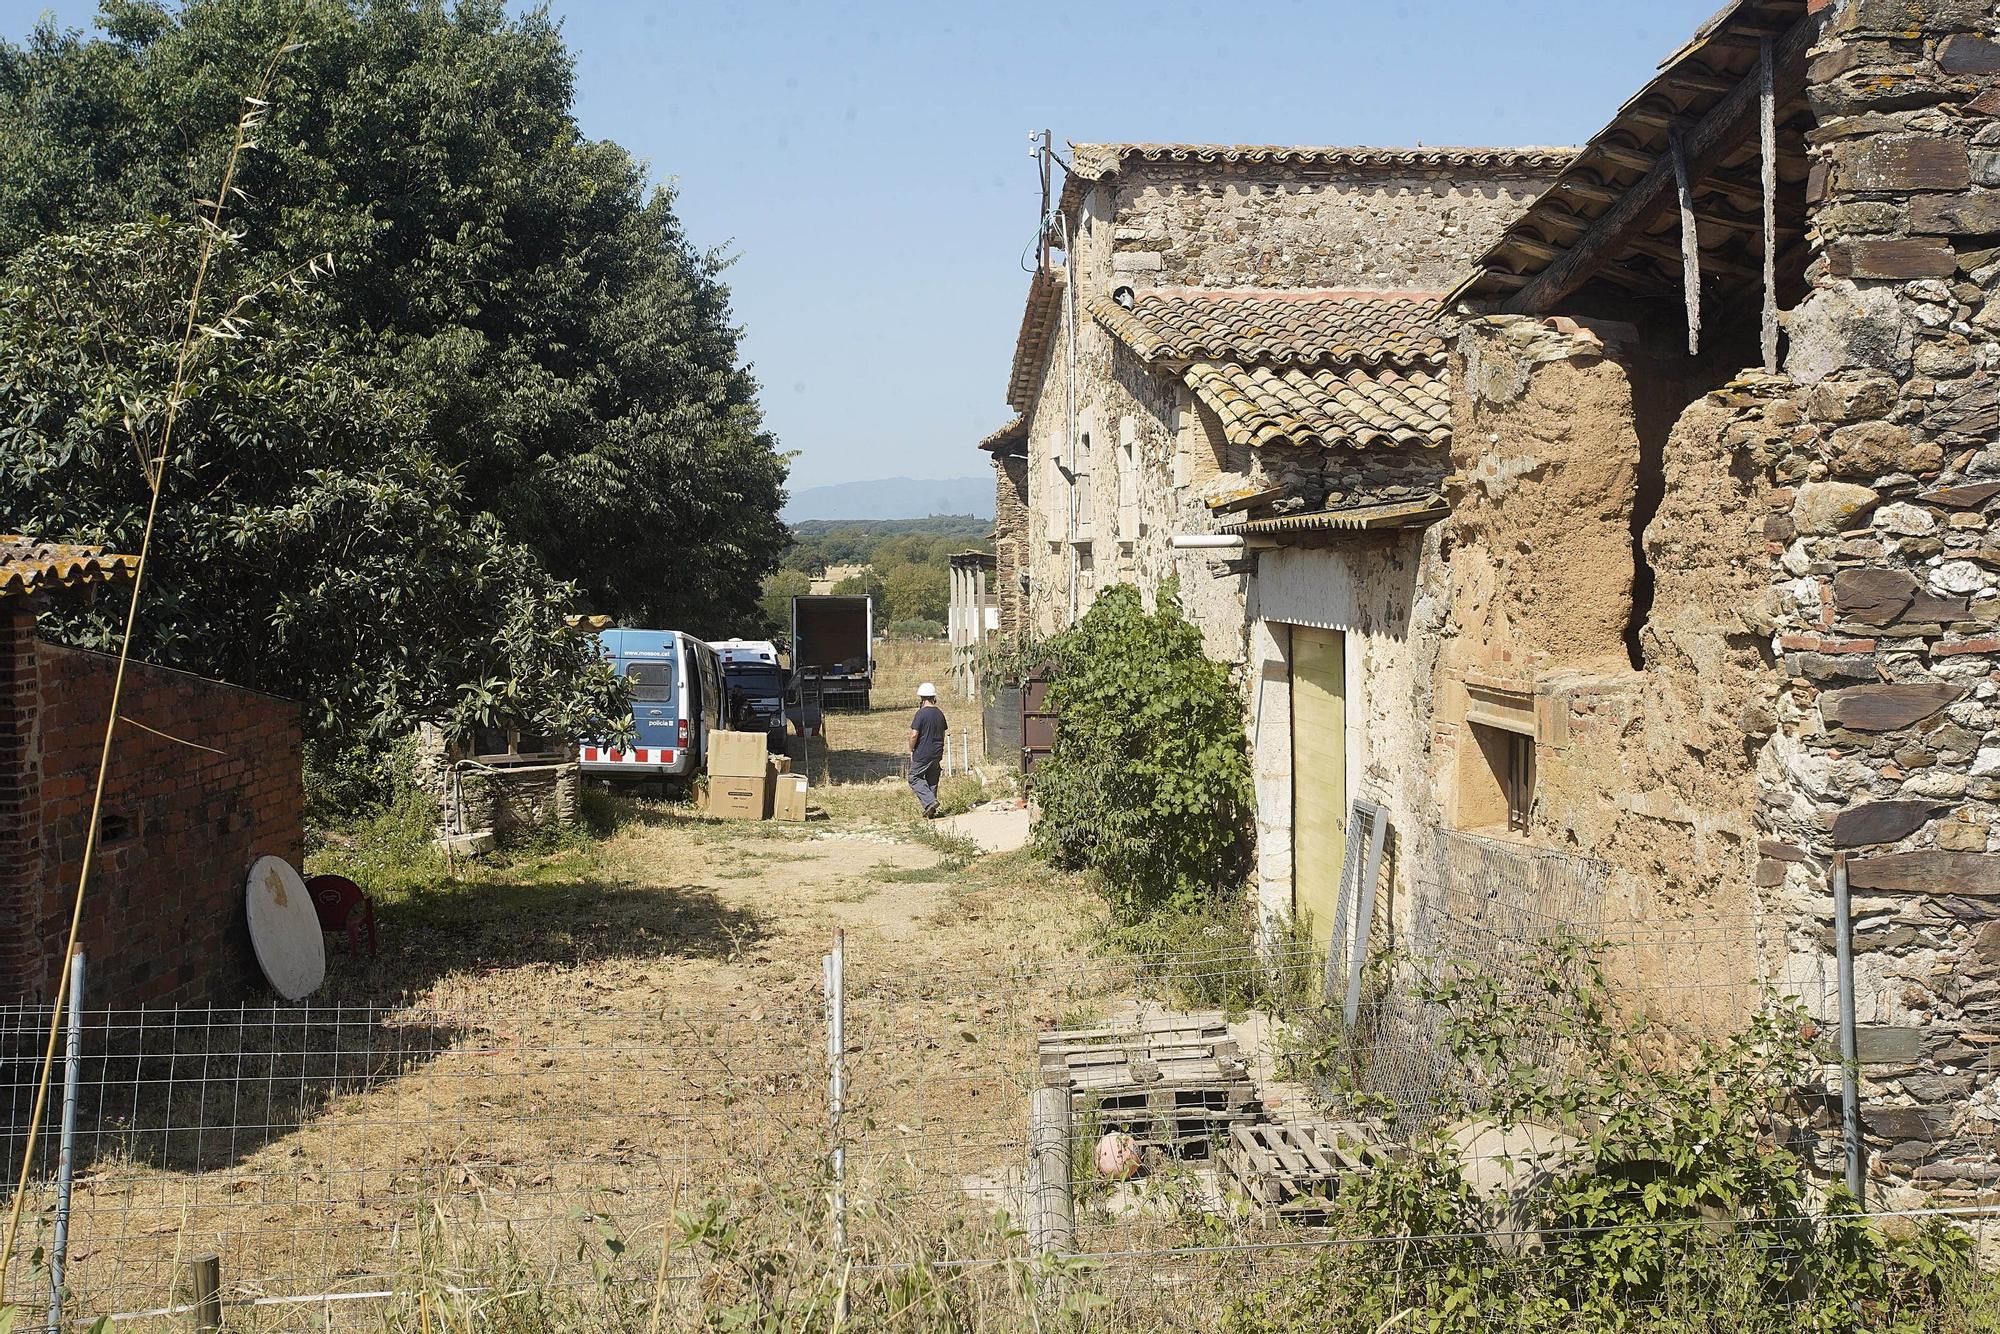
<point x="1219" y="542"/>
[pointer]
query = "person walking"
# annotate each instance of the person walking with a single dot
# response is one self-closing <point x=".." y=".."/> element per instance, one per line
<point x="927" y="729"/>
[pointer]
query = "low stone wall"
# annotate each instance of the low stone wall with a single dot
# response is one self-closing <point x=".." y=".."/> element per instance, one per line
<point x="486" y="802"/>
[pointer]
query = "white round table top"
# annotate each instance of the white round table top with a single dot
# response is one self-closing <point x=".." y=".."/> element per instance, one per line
<point x="284" y="929"/>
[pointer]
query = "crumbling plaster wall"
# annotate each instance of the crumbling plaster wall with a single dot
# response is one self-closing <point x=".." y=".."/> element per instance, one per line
<point x="1646" y="768"/>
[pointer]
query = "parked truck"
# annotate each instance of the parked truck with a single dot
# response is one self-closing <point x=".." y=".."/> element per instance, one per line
<point x="755" y="682"/>
<point x="833" y="643"/>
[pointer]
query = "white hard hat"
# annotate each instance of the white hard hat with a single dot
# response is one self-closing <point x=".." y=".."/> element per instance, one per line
<point x="927" y="691"/>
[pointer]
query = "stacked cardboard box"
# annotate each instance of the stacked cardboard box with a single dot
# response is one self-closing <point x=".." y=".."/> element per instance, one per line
<point x="788" y="802"/>
<point x="739" y="776"/>
<point x="746" y="783"/>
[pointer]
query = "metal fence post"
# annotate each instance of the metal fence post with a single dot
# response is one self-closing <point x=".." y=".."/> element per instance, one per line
<point x="66" y="1157"/>
<point x="1850" y="1065"/>
<point x="835" y="975"/>
<point x="208" y="1292"/>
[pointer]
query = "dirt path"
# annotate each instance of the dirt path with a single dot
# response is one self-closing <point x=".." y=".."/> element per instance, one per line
<point x="579" y="1042"/>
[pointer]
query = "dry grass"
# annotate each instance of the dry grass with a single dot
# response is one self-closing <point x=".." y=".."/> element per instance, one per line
<point x="554" y="1053"/>
<point x="568" y="1068"/>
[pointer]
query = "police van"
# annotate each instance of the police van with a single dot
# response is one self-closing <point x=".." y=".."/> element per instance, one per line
<point x="677" y="700"/>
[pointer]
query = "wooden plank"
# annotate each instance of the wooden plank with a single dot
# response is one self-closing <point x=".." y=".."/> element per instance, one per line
<point x="1969" y="873"/>
<point x="1718" y="133"/>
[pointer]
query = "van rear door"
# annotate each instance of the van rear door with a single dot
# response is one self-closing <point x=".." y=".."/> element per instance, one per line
<point x="656" y="703"/>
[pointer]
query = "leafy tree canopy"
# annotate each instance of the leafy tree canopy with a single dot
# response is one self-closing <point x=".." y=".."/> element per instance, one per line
<point x="564" y="356"/>
<point x="306" y="542"/>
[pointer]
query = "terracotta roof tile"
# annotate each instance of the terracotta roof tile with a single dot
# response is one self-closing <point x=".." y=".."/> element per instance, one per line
<point x="1031" y="345"/>
<point x="1003" y="440"/>
<point x="1262" y="405"/>
<point x="28" y="566"/>
<point x="1093" y="162"/>
<point x="1287" y="327"/>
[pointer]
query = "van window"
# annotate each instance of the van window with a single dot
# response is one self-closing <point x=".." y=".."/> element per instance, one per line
<point x="651" y="681"/>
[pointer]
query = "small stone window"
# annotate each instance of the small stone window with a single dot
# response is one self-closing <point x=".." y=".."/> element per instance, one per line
<point x="113" y="828"/>
<point x="1497" y="779"/>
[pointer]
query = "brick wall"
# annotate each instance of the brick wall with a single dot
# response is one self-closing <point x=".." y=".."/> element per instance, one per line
<point x="20" y="786"/>
<point x="164" y="920"/>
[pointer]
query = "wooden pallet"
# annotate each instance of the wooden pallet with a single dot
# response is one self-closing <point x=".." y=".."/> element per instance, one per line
<point x="1292" y="1170"/>
<point x="1172" y="1081"/>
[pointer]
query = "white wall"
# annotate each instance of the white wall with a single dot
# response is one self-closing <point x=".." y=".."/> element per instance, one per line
<point x="1370" y="589"/>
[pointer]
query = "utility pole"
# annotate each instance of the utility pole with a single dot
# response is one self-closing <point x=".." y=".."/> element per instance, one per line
<point x="1045" y="152"/>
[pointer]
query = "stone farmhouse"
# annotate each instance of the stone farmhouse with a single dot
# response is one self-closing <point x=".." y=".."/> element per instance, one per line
<point x="1633" y="501"/>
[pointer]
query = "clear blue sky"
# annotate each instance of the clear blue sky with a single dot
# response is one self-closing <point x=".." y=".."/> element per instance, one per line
<point x="867" y="163"/>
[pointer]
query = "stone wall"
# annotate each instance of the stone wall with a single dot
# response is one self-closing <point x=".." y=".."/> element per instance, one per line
<point x="1290" y="224"/>
<point x="1229" y="225"/>
<point x="491" y="801"/>
<point x="1886" y="604"/>
<point x="188" y="807"/>
<point x="1010" y="540"/>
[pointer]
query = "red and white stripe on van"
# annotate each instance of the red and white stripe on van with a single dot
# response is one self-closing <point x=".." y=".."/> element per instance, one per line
<point x="628" y="755"/>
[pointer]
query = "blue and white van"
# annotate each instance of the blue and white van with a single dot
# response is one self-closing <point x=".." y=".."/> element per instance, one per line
<point x="677" y="700"/>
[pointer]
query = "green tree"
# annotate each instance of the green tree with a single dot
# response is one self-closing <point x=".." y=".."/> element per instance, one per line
<point x="307" y="543"/>
<point x="867" y="582"/>
<point x="1147" y="783"/>
<point x="916" y="592"/>
<point x="780" y="587"/>
<point x="563" y="350"/>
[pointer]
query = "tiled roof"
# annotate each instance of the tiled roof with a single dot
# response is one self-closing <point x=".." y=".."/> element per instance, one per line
<point x="1003" y="440"/>
<point x="1031" y="346"/>
<point x="28" y="566"/>
<point x="1328" y="405"/>
<point x="1304" y="367"/>
<point x="1290" y="327"/>
<point x="1093" y="162"/>
<point x="1348" y="518"/>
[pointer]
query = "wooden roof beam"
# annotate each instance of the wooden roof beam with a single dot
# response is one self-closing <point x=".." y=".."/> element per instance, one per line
<point x="1716" y="134"/>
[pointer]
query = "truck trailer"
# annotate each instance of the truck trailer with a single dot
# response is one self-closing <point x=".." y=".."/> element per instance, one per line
<point x="833" y="645"/>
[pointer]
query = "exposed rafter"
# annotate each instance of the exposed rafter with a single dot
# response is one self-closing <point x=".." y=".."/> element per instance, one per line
<point x="1719" y="132"/>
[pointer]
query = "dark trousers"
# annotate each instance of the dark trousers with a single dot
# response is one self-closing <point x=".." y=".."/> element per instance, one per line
<point x="924" y="781"/>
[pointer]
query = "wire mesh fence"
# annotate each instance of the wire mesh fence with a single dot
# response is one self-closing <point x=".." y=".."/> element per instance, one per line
<point x="311" y="1149"/>
<point x="1224" y="1139"/>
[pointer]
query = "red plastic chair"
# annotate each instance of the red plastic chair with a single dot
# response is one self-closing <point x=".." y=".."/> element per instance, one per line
<point x="343" y="906"/>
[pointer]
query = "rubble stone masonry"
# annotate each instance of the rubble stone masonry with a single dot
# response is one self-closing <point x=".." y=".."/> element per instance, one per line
<point x="1885" y="601"/>
<point x="1235" y="224"/>
<point x="1010" y="541"/>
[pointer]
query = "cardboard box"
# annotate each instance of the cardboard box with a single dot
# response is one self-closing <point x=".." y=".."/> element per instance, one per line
<point x="736" y="754"/>
<point x="788" y="801"/>
<point x="780" y="764"/>
<point x="732" y="797"/>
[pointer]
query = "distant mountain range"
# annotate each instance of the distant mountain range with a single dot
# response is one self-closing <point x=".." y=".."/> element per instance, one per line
<point x="894" y="498"/>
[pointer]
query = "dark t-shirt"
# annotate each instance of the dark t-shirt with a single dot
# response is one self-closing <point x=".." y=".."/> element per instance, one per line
<point x="929" y="726"/>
